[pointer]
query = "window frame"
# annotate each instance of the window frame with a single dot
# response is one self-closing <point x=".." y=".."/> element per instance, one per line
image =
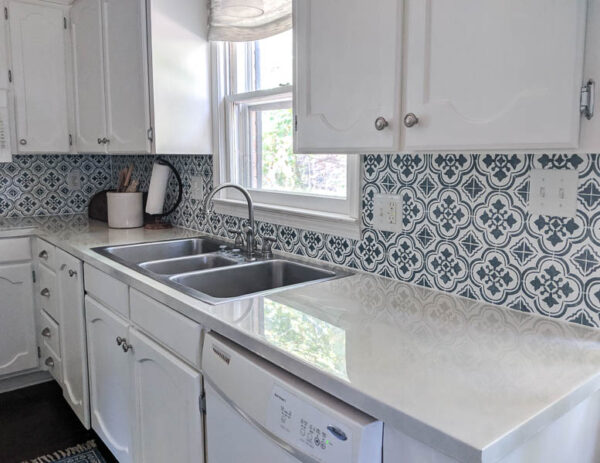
<point x="326" y="214"/>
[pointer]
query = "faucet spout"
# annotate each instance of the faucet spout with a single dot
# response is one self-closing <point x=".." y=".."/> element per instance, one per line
<point x="250" y="230"/>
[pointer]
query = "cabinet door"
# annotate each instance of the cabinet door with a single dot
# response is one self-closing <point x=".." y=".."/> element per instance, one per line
<point x="18" y="346"/>
<point x="72" y="331"/>
<point x="166" y="391"/>
<point x="494" y="74"/>
<point x="126" y="63"/>
<point x="110" y="380"/>
<point x="38" y="41"/>
<point x="90" y="101"/>
<point x="3" y="53"/>
<point x="347" y="56"/>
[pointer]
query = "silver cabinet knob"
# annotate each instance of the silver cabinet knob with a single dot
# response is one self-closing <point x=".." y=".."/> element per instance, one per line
<point x="99" y="141"/>
<point x="381" y="123"/>
<point x="72" y="273"/>
<point x="43" y="255"/>
<point x="45" y="292"/>
<point x="126" y="347"/>
<point x="49" y="362"/>
<point x="120" y="340"/>
<point x="46" y="332"/>
<point x="410" y="120"/>
<point x="22" y="141"/>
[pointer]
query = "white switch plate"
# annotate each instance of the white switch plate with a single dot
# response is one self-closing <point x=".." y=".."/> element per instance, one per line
<point x="553" y="192"/>
<point x="74" y="180"/>
<point x="387" y="213"/>
<point x="197" y="188"/>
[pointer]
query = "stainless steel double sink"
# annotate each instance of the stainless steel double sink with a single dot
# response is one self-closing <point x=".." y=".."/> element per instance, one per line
<point x="211" y="271"/>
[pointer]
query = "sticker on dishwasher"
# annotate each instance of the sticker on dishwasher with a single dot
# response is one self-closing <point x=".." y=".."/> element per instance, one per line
<point x="306" y="428"/>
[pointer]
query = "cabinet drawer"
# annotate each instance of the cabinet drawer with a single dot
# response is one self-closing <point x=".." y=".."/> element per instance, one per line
<point x="106" y="289"/>
<point x="49" y="332"/>
<point x="45" y="253"/>
<point x="51" y="362"/>
<point x="12" y="249"/>
<point x="47" y="291"/>
<point x="178" y="333"/>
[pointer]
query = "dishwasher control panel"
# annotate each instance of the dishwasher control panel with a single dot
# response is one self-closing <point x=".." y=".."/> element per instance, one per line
<point x="308" y="429"/>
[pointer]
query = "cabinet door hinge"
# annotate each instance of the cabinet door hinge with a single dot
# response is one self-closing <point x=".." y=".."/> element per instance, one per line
<point x="70" y="140"/>
<point x="295" y="123"/>
<point x="151" y="134"/>
<point x="65" y="22"/>
<point x="33" y="275"/>
<point x="588" y="97"/>
<point x="39" y="352"/>
<point x="202" y="403"/>
<point x="10" y="75"/>
<point x="6" y="13"/>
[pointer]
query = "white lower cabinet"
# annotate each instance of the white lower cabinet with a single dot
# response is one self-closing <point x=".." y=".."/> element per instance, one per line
<point x="145" y="401"/>
<point x="73" y="348"/>
<point x="111" y="397"/>
<point x="18" y="345"/>
<point x="167" y="393"/>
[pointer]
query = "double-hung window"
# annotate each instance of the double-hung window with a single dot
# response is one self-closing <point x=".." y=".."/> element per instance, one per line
<point x="255" y="124"/>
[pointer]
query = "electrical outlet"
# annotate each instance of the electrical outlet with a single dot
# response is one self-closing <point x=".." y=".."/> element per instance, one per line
<point x="553" y="192"/>
<point x="387" y="213"/>
<point x="74" y="180"/>
<point x="197" y="188"/>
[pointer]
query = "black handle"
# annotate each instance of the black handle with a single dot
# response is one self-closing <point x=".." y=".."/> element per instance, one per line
<point x="164" y="162"/>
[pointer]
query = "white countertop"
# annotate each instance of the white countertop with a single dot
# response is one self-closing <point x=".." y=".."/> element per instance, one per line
<point x="470" y="379"/>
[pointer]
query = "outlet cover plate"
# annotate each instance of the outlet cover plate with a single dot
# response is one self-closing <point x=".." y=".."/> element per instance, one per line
<point x="74" y="180"/>
<point x="197" y="188"/>
<point x="387" y="213"/>
<point x="553" y="192"/>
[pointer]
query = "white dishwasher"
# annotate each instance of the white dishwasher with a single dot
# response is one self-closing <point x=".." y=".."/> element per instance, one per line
<point x="258" y="413"/>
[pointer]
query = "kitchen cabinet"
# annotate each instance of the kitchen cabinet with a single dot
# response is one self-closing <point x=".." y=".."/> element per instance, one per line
<point x="88" y="76"/>
<point x="166" y="390"/>
<point x="481" y="76"/>
<point x="38" y="44"/>
<point x="127" y="56"/>
<point x="111" y="397"/>
<point x="136" y="384"/>
<point x="73" y="346"/>
<point x="347" y="76"/>
<point x="18" y="343"/>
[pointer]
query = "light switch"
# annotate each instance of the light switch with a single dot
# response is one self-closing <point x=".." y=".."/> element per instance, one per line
<point x="387" y="213"/>
<point x="197" y="188"/>
<point x="553" y="192"/>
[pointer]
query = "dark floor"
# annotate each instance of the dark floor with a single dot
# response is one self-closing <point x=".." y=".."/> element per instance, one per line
<point x="36" y="421"/>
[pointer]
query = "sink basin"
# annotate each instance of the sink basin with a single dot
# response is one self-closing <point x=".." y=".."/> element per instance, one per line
<point x="160" y="250"/>
<point x="243" y="280"/>
<point x="187" y="264"/>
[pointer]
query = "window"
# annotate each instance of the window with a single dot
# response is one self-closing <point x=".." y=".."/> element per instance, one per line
<point x="256" y="130"/>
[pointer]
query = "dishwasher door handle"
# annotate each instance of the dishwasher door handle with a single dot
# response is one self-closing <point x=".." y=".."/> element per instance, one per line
<point x="298" y="454"/>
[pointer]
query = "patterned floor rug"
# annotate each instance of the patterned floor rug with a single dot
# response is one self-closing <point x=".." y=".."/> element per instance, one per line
<point x="82" y="453"/>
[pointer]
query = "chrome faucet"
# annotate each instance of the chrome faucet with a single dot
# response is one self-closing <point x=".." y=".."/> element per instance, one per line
<point x="249" y="231"/>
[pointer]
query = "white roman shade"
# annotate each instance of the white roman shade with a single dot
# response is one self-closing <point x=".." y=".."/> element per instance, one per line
<point x="248" y="20"/>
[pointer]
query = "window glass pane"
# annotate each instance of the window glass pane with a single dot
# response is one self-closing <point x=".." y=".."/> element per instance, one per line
<point x="273" y="165"/>
<point x="273" y="61"/>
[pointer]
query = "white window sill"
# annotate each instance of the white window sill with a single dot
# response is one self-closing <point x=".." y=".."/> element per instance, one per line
<point x="334" y="224"/>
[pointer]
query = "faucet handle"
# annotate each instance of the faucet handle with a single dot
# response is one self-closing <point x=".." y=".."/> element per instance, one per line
<point x="267" y="246"/>
<point x="239" y="238"/>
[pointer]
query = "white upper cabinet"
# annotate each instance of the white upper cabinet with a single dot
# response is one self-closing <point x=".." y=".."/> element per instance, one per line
<point x="494" y="74"/>
<point x="3" y="51"/>
<point x="347" y="75"/>
<point x="126" y="76"/>
<point x="38" y="51"/>
<point x="88" y="78"/>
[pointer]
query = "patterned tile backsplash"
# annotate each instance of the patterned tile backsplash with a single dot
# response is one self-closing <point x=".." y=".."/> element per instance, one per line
<point x="467" y="230"/>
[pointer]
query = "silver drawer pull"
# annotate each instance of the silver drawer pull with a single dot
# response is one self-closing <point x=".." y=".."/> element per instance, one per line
<point x="46" y="332"/>
<point x="49" y="362"/>
<point x="45" y="292"/>
<point x="43" y="255"/>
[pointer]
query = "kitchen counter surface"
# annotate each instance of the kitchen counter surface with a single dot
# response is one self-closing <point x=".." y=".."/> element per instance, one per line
<point x="471" y="380"/>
